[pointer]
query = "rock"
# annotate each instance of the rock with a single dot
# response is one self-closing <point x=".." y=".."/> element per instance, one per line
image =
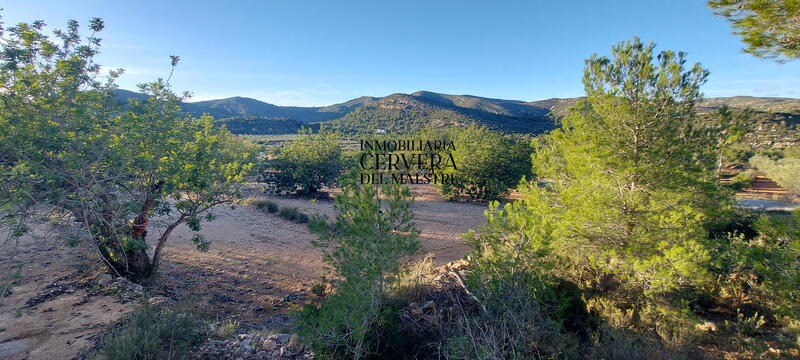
<point x="294" y="344"/>
<point x="245" y="343"/>
<point x="155" y="300"/>
<point x="104" y="279"/>
<point x="280" y="338"/>
<point x="269" y="345"/>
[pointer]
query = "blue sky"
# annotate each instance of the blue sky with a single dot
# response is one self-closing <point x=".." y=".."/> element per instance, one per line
<point x="295" y="52"/>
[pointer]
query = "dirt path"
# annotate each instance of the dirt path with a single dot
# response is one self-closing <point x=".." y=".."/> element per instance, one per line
<point x="258" y="265"/>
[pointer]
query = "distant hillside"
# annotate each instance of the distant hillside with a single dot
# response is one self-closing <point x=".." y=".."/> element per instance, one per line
<point x="242" y="106"/>
<point x="514" y="108"/>
<point x="253" y="125"/>
<point x="408" y="112"/>
<point x="775" y="121"/>
<point x="783" y="106"/>
<point x="404" y="113"/>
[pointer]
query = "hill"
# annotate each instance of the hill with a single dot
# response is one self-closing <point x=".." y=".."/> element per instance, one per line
<point x="404" y="113"/>
<point x="253" y="125"/>
<point x="408" y="112"/>
<point x="242" y="106"/>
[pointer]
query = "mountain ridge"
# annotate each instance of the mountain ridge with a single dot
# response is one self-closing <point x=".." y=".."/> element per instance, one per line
<point x="405" y="112"/>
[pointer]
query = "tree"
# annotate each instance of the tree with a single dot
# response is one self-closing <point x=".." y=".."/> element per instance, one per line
<point x="68" y="148"/>
<point x="731" y="129"/>
<point x="631" y="191"/>
<point x="769" y="28"/>
<point x="373" y="230"/>
<point x="307" y="164"/>
<point x="488" y="164"/>
<point x="634" y="176"/>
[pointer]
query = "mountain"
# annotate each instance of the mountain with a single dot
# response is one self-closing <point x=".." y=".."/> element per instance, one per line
<point x="242" y="106"/>
<point x="407" y="112"/>
<point x="123" y="95"/>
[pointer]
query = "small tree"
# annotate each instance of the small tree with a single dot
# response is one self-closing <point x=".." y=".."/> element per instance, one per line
<point x="631" y="190"/>
<point x="69" y="148"/>
<point x="372" y="232"/>
<point x="731" y="129"/>
<point x="307" y="164"/>
<point x="487" y="164"/>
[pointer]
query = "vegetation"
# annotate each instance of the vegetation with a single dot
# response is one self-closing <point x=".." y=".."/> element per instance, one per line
<point x="768" y="28"/>
<point x="373" y="230"/>
<point x="488" y="164"/>
<point x="252" y="125"/>
<point x="263" y="204"/>
<point x="405" y="114"/>
<point x="308" y="163"/>
<point x="156" y="332"/>
<point x="293" y="214"/>
<point x="632" y="222"/>
<point x="783" y="170"/>
<point x="67" y="146"/>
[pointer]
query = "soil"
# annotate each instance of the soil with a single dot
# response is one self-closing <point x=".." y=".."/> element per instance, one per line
<point x="259" y="265"/>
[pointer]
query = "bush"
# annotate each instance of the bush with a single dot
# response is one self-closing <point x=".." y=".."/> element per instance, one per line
<point x="373" y="230"/>
<point x="488" y="164"/>
<point x="156" y="332"/>
<point x="307" y="164"/>
<point x="293" y="214"/>
<point x="264" y="204"/>
<point x="742" y="180"/>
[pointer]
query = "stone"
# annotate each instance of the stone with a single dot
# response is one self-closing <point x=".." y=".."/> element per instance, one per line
<point x="280" y="338"/>
<point x="269" y="345"/>
<point x="104" y="279"/>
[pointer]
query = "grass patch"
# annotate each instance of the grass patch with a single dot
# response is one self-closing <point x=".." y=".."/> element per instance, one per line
<point x="293" y="214"/>
<point x="263" y="204"/>
<point x="414" y="280"/>
<point x="225" y="328"/>
<point x="157" y="332"/>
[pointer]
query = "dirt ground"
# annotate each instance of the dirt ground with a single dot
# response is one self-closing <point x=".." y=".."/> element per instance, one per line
<point x="258" y="265"/>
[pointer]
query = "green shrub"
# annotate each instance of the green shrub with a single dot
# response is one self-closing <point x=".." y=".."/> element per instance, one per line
<point x="157" y="332"/>
<point x="263" y="204"/>
<point x="373" y="230"/>
<point x="308" y="163"/>
<point x="742" y="180"/>
<point x="738" y="153"/>
<point x="488" y="164"/>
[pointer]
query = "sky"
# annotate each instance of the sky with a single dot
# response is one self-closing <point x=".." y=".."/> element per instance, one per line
<point x="315" y="53"/>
